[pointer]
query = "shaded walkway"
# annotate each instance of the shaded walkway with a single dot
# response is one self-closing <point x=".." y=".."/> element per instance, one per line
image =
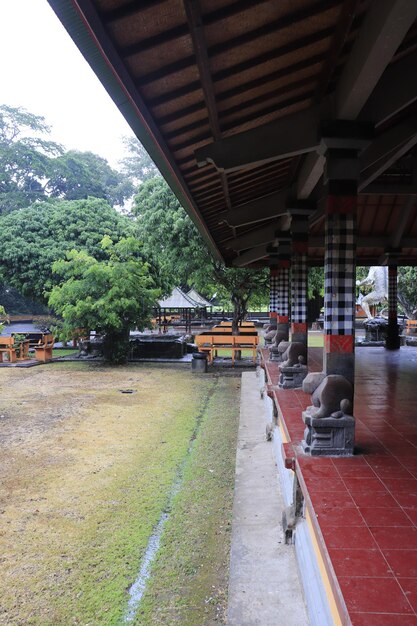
<point x="363" y="510"/>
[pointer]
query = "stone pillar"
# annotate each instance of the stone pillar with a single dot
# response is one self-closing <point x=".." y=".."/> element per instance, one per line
<point x="339" y="267"/>
<point x="393" y="338"/>
<point x="330" y="425"/>
<point x="299" y="233"/>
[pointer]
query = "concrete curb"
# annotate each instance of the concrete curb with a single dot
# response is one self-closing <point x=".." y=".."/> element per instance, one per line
<point x="264" y="588"/>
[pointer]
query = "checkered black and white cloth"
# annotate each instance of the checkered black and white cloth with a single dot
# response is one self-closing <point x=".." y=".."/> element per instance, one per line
<point x="339" y="274"/>
<point x="273" y="291"/>
<point x="299" y="289"/>
<point x="392" y="291"/>
<point x="283" y="296"/>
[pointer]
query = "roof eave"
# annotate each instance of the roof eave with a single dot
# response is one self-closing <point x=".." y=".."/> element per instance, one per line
<point x="103" y="59"/>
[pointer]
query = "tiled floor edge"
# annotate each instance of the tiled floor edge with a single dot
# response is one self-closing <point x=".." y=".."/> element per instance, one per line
<point x="319" y="605"/>
<point x="323" y="596"/>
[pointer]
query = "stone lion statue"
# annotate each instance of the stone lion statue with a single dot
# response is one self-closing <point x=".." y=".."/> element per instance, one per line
<point x="378" y="278"/>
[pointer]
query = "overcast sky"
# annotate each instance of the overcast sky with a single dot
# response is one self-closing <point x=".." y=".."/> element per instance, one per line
<point x="43" y="71"/>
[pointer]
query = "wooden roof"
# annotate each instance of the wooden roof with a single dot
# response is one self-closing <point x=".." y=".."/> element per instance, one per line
<point x="228" y="97"/>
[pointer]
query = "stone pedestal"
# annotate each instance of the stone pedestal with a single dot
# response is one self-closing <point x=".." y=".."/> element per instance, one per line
<point x="330" y="429"/>
<point x="376" y="331"/>
<point x="292" y="376"/>
<point x="277" y="354"/>
<point x="328" y="436"/>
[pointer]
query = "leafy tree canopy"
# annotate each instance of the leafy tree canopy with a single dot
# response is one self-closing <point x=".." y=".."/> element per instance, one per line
<point x="25" y="157"/>
<point x="3" y="318"/>
<point x="33" y="168"/>
<point x="75" y="175"/>
<point x="172" y="241"/>
<point x="111" y="295"/>
<point x="30" y="241"/>
<point x="137" y="166"/>
<point x="407" y="290"/>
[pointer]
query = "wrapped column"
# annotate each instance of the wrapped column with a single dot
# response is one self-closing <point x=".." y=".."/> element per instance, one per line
<point x="339" y="285"/>
<point x="393" y="338"/>
<point x="273" y="293"/>
<point x="299" y="233"/>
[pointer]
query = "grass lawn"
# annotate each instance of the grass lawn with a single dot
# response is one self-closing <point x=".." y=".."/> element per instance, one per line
<point x="65" y="352"/>
<point x="315" y="340"/>
<point x="87" y="472"/>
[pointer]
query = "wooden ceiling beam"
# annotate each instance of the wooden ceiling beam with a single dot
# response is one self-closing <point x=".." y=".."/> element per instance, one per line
<point x="289" y="136"/>
<point x="382" y="32"/>
<point x="230" y="44"/>
<point x="384" y="28"/>
<point x="386" y="149"/>
<point x="396" y="90"/>
<point x="130" y="9"/>
<point x="396" y="241"/>
<point x="259" y="236"/>
<point x="242" y="87"/>
<point x="195" y="23"/>
<point x="263" y="208"/>
<point x="255" y="254"/>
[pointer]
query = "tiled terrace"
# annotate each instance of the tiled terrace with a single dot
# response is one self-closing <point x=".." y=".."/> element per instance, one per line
<point x="364" y="509"/>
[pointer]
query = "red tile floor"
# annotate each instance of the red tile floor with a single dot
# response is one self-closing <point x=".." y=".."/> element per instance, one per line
<point x="366" y="506"/>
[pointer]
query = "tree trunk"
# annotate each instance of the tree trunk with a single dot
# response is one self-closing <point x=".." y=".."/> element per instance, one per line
<point x="116" y="346"/>
<point x="239" y="313"/>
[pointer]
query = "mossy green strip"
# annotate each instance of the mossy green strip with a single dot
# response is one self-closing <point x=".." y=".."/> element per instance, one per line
<point x="189" y="579"/>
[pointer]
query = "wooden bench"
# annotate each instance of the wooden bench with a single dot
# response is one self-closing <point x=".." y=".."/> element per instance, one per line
<point x="247" y="342"/>
<point x="7" y="348"/>
<point x="43" y="349"/>
<point x="411" y="327"/>
<point x="212" y="344"/>
<point x="22" y="349"/>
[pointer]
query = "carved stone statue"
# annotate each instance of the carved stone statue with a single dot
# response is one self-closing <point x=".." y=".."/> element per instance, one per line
<point x="293" y="369"/>
<point x="330" y="426"/>
<point x="332" y="398"/>
<point x="281" y="335"/>
<point x="378" y="278"/>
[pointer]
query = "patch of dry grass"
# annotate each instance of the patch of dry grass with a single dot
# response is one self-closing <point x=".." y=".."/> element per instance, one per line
<point x="86" y="472"/>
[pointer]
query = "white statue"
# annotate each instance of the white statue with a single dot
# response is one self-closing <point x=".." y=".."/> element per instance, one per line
<point x="378" y="277"/>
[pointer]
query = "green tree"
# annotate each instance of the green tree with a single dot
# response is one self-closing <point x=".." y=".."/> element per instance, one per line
<point x="173" y="243"/>
<point x="137" y="166"/>
<point x="32" y="168"/>
<point x="407" y="290"/>
<point x="3" y="318"/>
<point x="30" y="241"/>
<point x="109" y="296"/>
<point x="25" y="157"/>
<point x="75" y="175"/>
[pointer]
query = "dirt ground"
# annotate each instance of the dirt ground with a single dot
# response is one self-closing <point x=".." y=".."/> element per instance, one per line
<point x="86" y="471"/>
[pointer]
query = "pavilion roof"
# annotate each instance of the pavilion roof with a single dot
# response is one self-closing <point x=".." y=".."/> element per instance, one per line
<point x="198" y="298"/>
<point x="178" y="300"/>
<point x="232" y="97"/>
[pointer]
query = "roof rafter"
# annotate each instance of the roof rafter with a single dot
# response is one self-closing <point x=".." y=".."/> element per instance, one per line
<point x="382" y="32"/>
<point x="263" y="208"/>
<point x="288" y="136"/>
<point x="259" y="236"/>
<point x="250" y="256"/>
